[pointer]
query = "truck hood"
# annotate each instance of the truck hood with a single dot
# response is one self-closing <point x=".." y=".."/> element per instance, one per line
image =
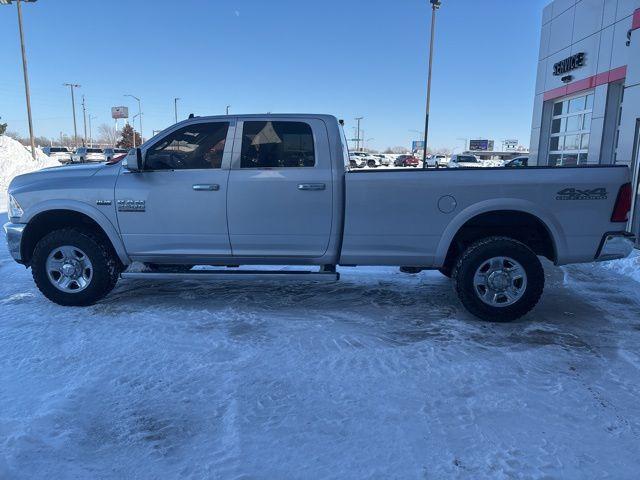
<point x="53" y="174"/>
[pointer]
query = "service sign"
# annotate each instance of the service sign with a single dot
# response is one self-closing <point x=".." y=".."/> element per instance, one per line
<point x="119" y="112"/>
<point x="569" y="63"/>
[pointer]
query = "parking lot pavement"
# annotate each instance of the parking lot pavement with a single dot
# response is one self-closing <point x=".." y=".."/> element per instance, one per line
<point x="382" y="375"/>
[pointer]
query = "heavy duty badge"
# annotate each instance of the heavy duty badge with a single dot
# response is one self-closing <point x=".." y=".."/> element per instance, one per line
<point x="131" y="206"/>
<point x="586" y="194"/>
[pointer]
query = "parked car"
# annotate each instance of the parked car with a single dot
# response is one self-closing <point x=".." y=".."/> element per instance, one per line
<point x="465" y="161"/>
<point x="219" y="202"/>
<point x="110" y="153"/>
<point x="518" y="162"/>
<point x="406" y="161"/>
<point x="432" y="161"/>
<point x="61" y="154"/>
<point x="384" y="160"/>
<point x="442" y="160"/>
<point x="369" y="160"/>
<point x="357" y="161"/>
<point x="87" y="154"/>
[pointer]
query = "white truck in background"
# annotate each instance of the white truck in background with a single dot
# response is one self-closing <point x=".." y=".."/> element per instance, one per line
<point x="278" y="190"/>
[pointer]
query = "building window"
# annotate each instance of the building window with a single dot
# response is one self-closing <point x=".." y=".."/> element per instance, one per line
<point x="570" y="128"/>
<point x="618" y="123"/>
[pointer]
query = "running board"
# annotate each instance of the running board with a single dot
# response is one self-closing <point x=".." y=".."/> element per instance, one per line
<point x="250" y="275"/>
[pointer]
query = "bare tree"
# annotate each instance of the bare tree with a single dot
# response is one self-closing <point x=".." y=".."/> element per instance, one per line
<point x="396" y="150"/>
<point x="108" y="135"/>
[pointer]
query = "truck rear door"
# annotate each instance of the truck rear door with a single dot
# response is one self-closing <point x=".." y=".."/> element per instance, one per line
<point x="280" y="200"/>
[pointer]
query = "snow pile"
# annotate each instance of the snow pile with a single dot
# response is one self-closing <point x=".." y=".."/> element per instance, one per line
<point x="629" y="266"/>
<point x="15" y="160"/>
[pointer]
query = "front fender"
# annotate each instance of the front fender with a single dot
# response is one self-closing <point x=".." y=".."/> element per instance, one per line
<point x="91" y="212"/>
<point x="512" y="204"/>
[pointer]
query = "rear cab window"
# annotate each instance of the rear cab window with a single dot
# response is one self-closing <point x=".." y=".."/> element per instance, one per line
<point x="277" y="144"/>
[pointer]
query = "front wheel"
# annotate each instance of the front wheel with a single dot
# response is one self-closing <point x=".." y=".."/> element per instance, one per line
<point x="498" y="279"/>
<point x="74" y="267"/>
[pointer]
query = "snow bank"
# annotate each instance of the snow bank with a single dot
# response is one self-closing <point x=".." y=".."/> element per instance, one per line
<point x="629" y="266"/>
<point x="15" y="160"/>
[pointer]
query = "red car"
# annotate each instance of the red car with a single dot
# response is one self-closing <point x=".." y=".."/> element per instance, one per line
<point x="406" y="161"/>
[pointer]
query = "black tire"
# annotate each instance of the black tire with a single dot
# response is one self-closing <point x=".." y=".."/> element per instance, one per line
<point x="106" y="267"/>
<point x="480" y="252"/>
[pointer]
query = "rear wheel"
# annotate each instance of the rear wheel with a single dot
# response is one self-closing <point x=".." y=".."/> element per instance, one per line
<point x="74" y="267"/>
<point x="498" y="279"/>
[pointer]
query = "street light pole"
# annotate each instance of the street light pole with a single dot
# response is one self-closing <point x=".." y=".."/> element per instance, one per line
<point x="27" y="89"/>
<point x="175" y="107"/>
<point x="73" y="109"/>
<point x="91" y="117"/>
<point x="228" y="107"/>
<point x="84" y="119"/>
<point x="133" y="121"/>
<point x="139" y="115"/>
<point x="435" y="5"/>
<point x="358" y="133"/>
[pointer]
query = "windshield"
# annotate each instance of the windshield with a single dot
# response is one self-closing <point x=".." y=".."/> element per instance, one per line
<point x="94" y="150"/>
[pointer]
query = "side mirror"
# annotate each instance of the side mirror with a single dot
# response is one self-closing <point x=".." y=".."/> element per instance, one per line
<point x="133" y="162"/>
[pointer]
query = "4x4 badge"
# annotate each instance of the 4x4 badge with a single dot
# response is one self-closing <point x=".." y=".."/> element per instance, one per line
<point x="578" y="194"/>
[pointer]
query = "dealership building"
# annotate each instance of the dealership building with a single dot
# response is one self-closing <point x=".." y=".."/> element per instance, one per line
<point x="587" y="98"/>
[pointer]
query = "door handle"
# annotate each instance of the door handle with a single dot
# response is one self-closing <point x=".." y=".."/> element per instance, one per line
<point x="206" y="187"/>
<point x="311" y="186"/>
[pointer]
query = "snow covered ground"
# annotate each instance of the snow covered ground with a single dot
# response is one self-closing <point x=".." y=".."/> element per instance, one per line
<point x="382" y="375"/>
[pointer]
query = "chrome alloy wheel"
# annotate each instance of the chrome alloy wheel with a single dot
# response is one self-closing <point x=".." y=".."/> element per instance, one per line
<point x="69" y="269"/>
<point x="500" y="281"/>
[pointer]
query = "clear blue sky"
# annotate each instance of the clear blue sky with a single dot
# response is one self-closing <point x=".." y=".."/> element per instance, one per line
<point x="345" y="57"/>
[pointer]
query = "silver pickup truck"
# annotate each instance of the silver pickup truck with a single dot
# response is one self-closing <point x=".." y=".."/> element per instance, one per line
<point x="277" y="189"/>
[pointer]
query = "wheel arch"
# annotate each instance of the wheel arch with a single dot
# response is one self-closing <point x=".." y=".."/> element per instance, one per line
<point x="505" y="218"/>
<point x="53" y="216"/>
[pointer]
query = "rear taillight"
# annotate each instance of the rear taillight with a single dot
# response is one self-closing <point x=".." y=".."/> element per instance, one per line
<point x="623" y="204"/>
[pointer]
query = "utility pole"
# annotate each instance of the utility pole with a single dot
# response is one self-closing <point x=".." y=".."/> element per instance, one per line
<point x="435" y="5"/>
<point x="73" y="108"/>
<point x="84" y="117"/>
<point x="228" y="107"/>
<point x="358" y="133"/>
<point x="27" y="89"/>
<point x="91" y="117"/>
<point x="175" y="107"/>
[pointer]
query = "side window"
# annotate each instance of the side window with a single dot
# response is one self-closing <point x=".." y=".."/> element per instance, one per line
<point x="277" y="145"/>
<point x="197" y="146"/>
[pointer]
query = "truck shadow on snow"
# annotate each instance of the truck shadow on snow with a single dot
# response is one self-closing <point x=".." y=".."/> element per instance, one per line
<point x="383" y="308"/>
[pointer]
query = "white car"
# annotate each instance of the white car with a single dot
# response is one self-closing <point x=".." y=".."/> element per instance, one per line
<point x="368" y="159"/>
<point x="61" y="154"/>
<point x="431" y="161"/>
<point x="86" y="154"/>
<point x="357" y="161"/>
<point x="385" y="160"/>
<point x="109" y="153"/>
<point x="442" y="160"/>
<point x="465" y="161"/>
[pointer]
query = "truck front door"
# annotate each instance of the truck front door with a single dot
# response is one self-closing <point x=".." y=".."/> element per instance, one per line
<point x="280" y="200"/>
<point x="177" y="206"/>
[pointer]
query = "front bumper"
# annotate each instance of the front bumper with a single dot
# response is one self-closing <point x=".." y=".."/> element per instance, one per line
<point x="615" y="245"/>
<point x="14" y="232"/>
